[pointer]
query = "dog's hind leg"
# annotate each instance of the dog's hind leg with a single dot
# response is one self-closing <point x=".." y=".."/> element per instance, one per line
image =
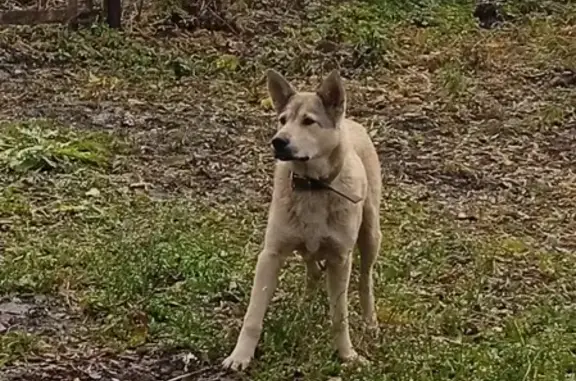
<point x="313" y="274"/>
<point x="369" y="239"/>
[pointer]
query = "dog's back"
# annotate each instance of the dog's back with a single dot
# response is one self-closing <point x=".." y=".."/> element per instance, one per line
<point x="367" y="152"/>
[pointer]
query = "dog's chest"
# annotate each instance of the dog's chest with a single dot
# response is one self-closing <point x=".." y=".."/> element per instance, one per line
<point x="320" y="220"/>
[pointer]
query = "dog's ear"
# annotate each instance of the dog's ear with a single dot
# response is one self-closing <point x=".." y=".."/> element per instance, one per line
<point x="279" y="89"/>
<point x="333" y="96"/>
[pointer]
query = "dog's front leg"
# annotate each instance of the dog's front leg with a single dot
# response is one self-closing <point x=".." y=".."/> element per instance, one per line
<point x="338" y="271"/>
<point x="265" y="280"/>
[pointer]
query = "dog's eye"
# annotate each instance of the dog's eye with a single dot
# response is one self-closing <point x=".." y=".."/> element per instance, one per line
<point x="307" y="121"/>
<point x="282" y="120"/>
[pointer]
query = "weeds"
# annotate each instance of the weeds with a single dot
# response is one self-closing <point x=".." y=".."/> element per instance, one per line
<point x="16" y="345"/>
<point x="40" y="146"/>
<point x="453" y="80"/>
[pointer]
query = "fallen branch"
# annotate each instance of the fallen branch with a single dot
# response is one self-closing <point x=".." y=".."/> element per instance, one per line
<point x="47" y="16"/>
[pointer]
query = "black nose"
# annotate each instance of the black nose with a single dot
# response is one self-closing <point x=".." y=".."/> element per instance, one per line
<point x="280" y="144"/>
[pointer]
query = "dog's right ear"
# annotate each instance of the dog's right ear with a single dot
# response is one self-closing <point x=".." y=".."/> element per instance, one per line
<point x="279" y="89"/>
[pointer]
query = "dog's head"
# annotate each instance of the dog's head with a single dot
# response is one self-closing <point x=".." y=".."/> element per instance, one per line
<point x="308" y="122"/>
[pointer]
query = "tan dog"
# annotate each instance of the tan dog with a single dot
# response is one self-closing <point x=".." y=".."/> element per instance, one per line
<point x="326" y="198"/>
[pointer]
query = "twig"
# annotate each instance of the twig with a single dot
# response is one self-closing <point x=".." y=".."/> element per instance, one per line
<point x="72" y="15"/>
<point x="230" y="27"/>
<point x="139" y="10"/>
<point x="183" y="376"/>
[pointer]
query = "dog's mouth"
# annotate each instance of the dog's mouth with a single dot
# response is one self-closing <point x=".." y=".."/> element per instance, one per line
<point x="286" y="156"/>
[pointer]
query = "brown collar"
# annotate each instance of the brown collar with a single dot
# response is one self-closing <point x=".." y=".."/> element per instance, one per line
<point x="303" y="183"/>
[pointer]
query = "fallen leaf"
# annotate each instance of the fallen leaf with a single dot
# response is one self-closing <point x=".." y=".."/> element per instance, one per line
<point x="93" y="192"/>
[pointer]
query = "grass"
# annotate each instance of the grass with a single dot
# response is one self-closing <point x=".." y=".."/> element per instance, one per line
<point x="15" y="345"/>
<point x="123" y="224"/>
<point x="451" y="306"/>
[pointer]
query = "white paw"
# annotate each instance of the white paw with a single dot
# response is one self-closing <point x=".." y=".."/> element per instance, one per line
<point x="354" y="359"/>
<point x="237" y="361"/>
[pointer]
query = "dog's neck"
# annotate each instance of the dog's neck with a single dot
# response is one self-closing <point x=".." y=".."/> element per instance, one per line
<point x="325" y="168"/>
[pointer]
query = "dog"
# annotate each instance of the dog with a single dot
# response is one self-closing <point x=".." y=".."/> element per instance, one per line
<point x="326" y="199"/>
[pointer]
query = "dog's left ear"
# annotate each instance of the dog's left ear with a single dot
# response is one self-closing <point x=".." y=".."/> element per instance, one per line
<point x="333" y="96"/>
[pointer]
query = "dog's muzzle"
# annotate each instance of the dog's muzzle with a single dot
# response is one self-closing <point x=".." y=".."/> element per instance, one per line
<point x="282" y="150"/>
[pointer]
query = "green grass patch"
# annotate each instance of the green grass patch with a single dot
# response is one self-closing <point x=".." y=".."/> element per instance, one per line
<point x="17" y="345"/>
<point x="451" y="305"/>
<point x="362" y="34"/>
<point x="44" y="146"/>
